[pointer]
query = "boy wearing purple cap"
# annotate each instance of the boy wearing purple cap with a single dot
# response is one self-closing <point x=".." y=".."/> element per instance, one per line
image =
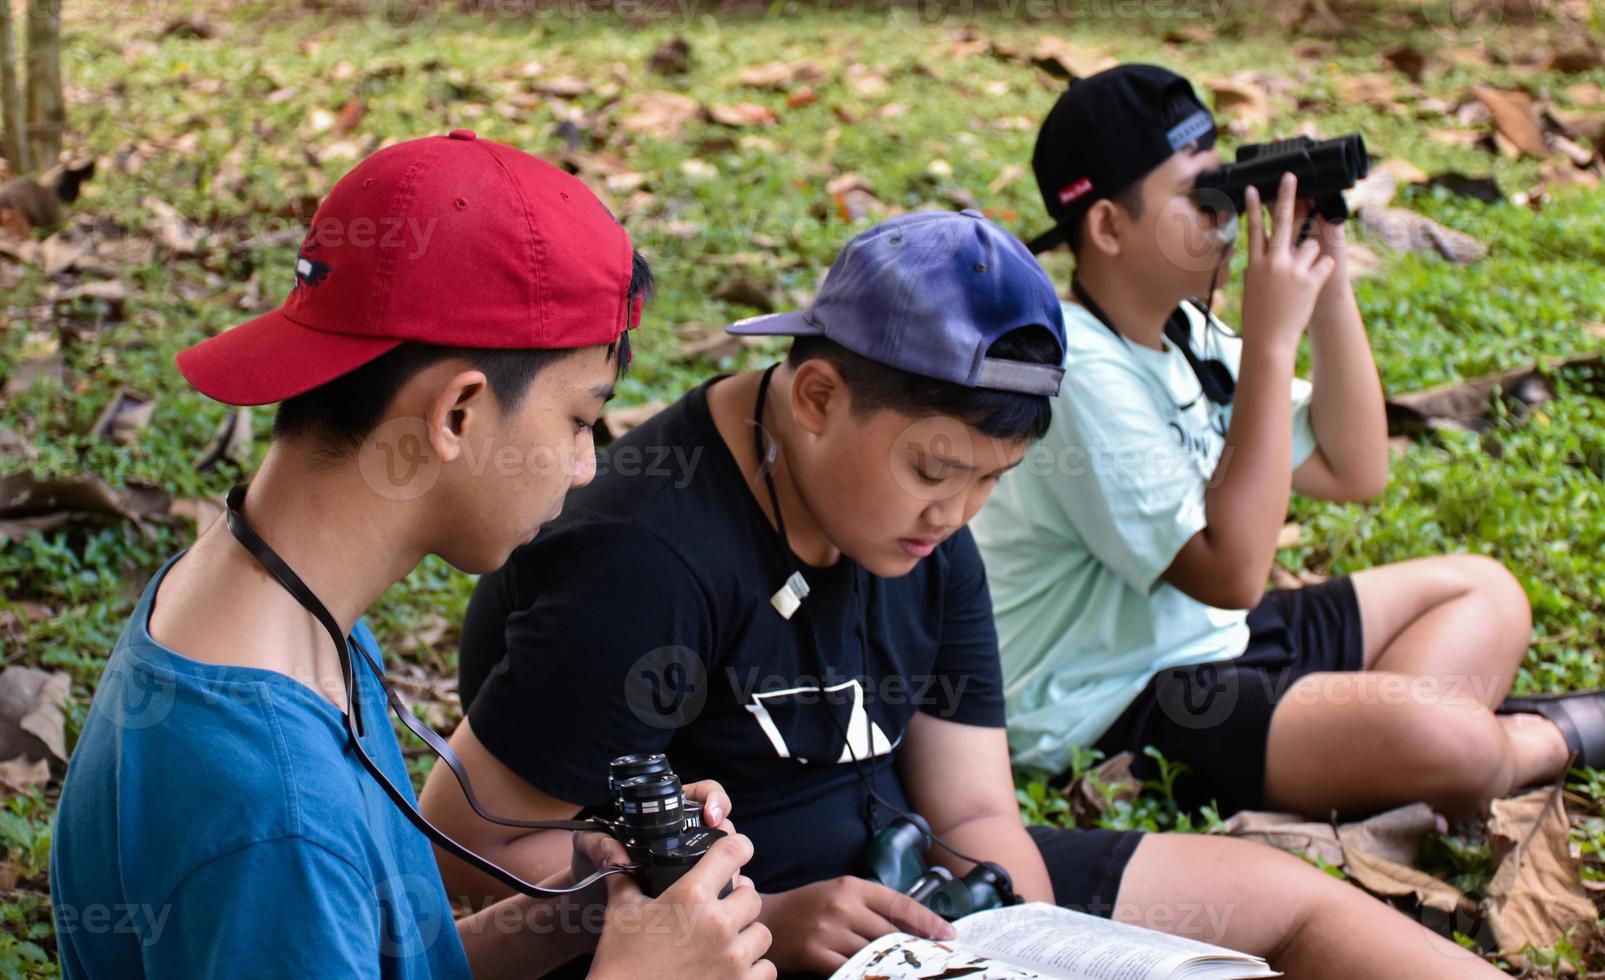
<point x="810" y="623"/>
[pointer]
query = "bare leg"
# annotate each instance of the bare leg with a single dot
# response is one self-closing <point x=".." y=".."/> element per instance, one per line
<point x="1443" y="639"/>
<point x="1259" y="900"/>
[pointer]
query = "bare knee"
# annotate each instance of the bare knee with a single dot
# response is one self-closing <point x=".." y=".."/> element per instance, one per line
<point x="1461" y="755"/>
<point x="1498" y="590"/>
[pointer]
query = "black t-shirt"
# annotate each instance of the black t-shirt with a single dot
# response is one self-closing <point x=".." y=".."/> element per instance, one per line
<point x="640" y="621"/>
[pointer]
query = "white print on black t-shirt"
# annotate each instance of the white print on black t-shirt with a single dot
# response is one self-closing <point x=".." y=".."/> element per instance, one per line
<point x="859" y="727"/>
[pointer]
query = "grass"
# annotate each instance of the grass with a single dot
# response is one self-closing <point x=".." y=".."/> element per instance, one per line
<point x="222" y="129"/>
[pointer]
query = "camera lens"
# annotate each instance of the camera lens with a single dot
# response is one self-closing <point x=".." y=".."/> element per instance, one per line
<point x="639" y="764"/>
<point x="652" y="807"/>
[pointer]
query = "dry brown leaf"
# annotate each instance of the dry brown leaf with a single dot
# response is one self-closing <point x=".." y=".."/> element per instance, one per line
<point x="171" y="230"/>
<point x="1406" y="59"/>
<point x="31" y="372"/>
<point x="1114" y="775"/>
<point x="1575" y="59"/>
<point x="742" y="114"/>
<point x="1377" y="851"/>
<point x="1536" y="896"/>
<point x="20" y="775"/>
<point x="1514" y="117"/>
<point x="853" y="197"/>
<point x="63" y="251"/>
<point x="1465" y="404"/>
<point x="1065" y="59"/>
<point x="350" y="115"/>
<point x="561" y="87"/>
<point x="1243" y="101"/>
<point x="746" y="292"/>
<point x="657" y="113"/>
<point x="31" y="719"/>
<point x="1290" y="535"/>
<point x="781" y="75"/>
<point x="699" y="342"/>
<point x="124" y="415"/>
<point x="1406" y="231"/>
<point x="672" y="57"/>
<point x="1378" y="91"/>
<point x="866" y="81"/>
<point x="22" y="495"/>
<point x="1191" y="34"/>
<point x="230" y="441"/>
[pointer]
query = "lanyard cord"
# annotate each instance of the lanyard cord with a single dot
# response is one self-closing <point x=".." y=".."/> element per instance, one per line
<point x="766" y="457"/>
<point x="292" y="583"/>
<point x="1215" y="381"/>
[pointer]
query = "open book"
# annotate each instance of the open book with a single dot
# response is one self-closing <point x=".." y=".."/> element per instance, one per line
<point x="1045" y="941"/>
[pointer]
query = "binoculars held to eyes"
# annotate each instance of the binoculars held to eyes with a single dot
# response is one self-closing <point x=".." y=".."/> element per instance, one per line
<point x="1324" y="169"/>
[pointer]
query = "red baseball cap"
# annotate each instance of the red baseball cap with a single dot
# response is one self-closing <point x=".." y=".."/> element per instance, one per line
<point x="448" y="240"/>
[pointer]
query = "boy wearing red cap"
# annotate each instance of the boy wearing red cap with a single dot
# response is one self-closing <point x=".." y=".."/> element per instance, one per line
<point x="459" y="316"/>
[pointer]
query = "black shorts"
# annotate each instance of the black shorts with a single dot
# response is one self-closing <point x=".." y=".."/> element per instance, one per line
<point x="1216" y="717"/>
<point x="1085" y="866"/>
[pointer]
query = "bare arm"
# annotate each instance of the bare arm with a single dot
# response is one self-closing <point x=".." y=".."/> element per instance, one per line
<point x="1226" y="564"/>
<point x="958" y="777"/>
<point x="1346" y="408"/>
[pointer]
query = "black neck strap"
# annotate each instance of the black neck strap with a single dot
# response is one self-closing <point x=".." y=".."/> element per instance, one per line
<point x="292" y="583"/>
<point x="1214" y="377"/>
<point x="766" y="458"/>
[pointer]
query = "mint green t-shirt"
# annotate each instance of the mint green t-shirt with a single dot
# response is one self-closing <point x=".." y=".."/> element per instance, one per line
<point x="1077" y="537"/>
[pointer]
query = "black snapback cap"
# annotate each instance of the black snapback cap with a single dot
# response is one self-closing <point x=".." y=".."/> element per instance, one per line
<point x="1106" y="132"/>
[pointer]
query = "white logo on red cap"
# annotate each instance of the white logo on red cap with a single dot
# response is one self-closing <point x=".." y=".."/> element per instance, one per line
<point x="1080" y="188"/>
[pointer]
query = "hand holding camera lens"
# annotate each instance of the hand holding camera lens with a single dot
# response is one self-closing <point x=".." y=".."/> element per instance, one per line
<point x="1284" y="278"/>
<point x="689" y="930"/>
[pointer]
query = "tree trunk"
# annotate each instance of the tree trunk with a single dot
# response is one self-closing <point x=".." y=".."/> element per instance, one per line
<point x="47" y="109"/>
<point x="13" y="140"/>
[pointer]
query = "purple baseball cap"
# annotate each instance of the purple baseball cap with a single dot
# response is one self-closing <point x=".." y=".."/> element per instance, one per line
<point x="929" y="293"/>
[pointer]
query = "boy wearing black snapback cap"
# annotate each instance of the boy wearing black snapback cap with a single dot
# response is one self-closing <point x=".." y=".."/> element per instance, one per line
<point x="237" y="804"/>
<point x="1128" y="558"/>
<point x="808" y="621"/>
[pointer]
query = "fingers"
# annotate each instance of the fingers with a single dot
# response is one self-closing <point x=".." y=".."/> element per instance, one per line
<point x="743" y="905"/>
<point x="599" y="849"/>
<point x="753" y="942"/>
<point x="717" y="867"/>
<point x="715" y="801"/>
<point x="764" y="970"/>
<point x="1255" y="220"/>
<point x="902" y="912"/>
<point x="1322" y="270"/>
<point x="1282" y="232"/>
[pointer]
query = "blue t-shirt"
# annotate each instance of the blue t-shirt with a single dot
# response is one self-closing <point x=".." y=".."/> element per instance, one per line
<point x="215" y="822"/>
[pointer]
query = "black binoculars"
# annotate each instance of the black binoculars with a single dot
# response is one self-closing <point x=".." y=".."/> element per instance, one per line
<point x="658" y="826"/>
<point x="1324" y="169"/>
<point x="896" y="859"/>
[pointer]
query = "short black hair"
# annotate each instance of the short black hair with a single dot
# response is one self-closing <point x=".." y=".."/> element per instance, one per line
<point x="1129" y="198"/>
<point x="337" y="416"/>
<point x="999" y="414"/>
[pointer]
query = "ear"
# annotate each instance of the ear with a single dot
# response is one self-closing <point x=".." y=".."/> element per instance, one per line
<point x="457" y="407"/>
<point x="1102" y="226"/>
<point x="814" y="386"/>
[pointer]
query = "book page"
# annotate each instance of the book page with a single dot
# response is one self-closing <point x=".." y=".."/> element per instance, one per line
<point x="899" y="956"/>
<point x="1059" y="942"/>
